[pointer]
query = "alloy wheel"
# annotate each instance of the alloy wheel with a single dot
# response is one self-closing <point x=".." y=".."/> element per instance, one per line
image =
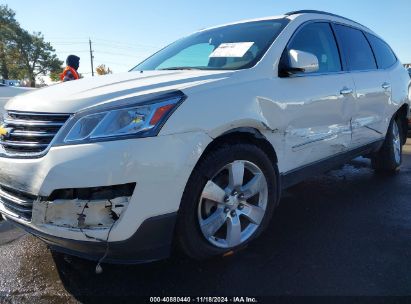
<point x="233" y="204"/>
<point x="396" y="142"/>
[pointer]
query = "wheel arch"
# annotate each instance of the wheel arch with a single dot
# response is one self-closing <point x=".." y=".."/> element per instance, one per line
<point x="245" y="135"/>
<point x="240" y="135"/>
<point x="402" y="116"/>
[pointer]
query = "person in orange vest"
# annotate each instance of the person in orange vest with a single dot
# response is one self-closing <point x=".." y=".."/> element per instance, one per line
<point x="70" y="72"/>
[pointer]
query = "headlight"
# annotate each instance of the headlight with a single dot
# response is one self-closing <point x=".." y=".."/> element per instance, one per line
<point x="142" y="120"/>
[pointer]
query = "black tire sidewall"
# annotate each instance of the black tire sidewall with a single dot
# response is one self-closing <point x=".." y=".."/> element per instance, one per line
<point x="189" y="233"/>
<point x="384" y="161"/>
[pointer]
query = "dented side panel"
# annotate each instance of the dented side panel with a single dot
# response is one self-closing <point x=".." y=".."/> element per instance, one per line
<point x="303" y="125"/>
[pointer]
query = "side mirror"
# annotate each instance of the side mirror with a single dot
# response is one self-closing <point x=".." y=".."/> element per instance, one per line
<point x="302" y="62"/>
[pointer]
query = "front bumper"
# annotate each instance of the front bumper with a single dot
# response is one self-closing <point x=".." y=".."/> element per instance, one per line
<point x="159" y="166"/>
<point x="151" y="242"/>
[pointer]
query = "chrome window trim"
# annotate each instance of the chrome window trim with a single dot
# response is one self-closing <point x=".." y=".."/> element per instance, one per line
<point x="343" y="65"/>
<point x="338" y="73"/>
<point x="346" y="72"/>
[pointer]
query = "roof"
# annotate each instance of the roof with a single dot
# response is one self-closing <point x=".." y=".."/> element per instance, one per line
<point x="321" y="13"/>
<point x="292" y="15"/>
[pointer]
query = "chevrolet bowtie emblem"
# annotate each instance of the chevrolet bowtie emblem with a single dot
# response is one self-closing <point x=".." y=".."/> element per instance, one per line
<point x="5" y="132"/>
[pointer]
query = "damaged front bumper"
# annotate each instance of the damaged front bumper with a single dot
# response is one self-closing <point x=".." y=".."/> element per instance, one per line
<point x="92" y="212"/>
<point x="81" y="198"/>
<point x="89" y="210"/>
<point x="151" y="242"/>
<point x="85" y="208"/>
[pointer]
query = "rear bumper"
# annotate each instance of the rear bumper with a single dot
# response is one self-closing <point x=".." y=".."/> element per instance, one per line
<point x="151" y="242"/>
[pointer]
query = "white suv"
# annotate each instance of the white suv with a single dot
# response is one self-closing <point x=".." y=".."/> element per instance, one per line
<point x="195" y="144"/>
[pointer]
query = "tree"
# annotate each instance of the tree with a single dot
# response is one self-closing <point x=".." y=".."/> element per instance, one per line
<point x="55" y="75"/>
<point x="41" y="59"/>
<point x="8" y="26"/>
<point x="36" y="55"/>
<point x="102" y="70"/>
<point x="24" y="55"/>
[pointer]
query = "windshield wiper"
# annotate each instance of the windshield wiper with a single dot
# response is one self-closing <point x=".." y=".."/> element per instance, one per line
<point x="179" y="68"/>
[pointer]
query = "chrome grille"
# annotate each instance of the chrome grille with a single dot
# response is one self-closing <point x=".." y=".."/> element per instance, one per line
<point x="30" y="133"/>
<point x="17" y="203"/>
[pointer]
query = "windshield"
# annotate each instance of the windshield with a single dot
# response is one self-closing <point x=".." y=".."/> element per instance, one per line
<point x="230" y="47"/>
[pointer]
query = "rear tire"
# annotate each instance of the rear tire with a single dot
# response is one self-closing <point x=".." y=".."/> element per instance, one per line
<point x="228" y="201"/>
<point x="389" y="158"/>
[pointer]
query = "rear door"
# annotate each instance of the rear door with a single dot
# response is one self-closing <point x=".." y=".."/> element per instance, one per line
<point x="320" y="104"/>
<point x="388" y="62"/>
<point x="372" y="85"/>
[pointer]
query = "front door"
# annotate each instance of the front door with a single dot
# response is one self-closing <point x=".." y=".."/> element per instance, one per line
<point x="319" y="105"/>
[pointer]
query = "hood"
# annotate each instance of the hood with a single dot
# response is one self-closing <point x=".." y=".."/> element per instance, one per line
<point x="72" y="96"/>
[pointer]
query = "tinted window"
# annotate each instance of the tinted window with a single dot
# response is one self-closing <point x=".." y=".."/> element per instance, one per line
<point x="383" y="53"/>
<point x="195" y="55"/>
<point x="356" y="48"/>
<point x="318" y="39"/>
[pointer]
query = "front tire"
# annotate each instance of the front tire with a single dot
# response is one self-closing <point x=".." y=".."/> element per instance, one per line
<point x="228" y="201"/>
<point x="389" y="158"/>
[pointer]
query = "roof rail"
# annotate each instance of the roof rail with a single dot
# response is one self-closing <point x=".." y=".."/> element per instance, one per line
<point x="321" y="13"/>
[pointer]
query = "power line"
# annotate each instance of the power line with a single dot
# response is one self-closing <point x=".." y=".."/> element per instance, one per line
<point x="82" y="40"/>
<point x="119" y="64"/>
<point x="117" y="54"/>
<point x="97" y="52"/>
<point x="125" y="48"/>
<point x="107" y="48"/>
<point x="69" y="43"/>
<point x="126" y="43"/>
<point x="74" y="51"/>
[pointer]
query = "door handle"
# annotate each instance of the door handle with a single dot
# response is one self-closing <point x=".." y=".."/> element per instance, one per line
<point x="386" y="86"/>
<point x="346" y="91"/>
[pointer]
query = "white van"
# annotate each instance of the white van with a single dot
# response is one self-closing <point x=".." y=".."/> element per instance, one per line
<point x="194" y="145"/>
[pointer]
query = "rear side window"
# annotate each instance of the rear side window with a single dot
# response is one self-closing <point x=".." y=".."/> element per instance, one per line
<point x="383" y="53"/>
<point x="356" y="48"/>
<point x="318" y="39"/>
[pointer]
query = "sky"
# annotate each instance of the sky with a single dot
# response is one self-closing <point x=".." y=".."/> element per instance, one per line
<point x="124" y="32"/>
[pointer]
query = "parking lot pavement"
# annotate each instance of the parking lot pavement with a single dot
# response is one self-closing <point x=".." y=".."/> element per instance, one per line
<point x="347" y="232"/>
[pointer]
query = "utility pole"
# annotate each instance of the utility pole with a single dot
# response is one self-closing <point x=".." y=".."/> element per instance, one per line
<point x="91" y="58"/>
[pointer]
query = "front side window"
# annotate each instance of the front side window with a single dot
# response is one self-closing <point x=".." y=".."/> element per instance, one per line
<point x="318" y="39"/>
<point x="230" y="47"/>
<point x="356" y="48"/>
<point x="383" y="53"/>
